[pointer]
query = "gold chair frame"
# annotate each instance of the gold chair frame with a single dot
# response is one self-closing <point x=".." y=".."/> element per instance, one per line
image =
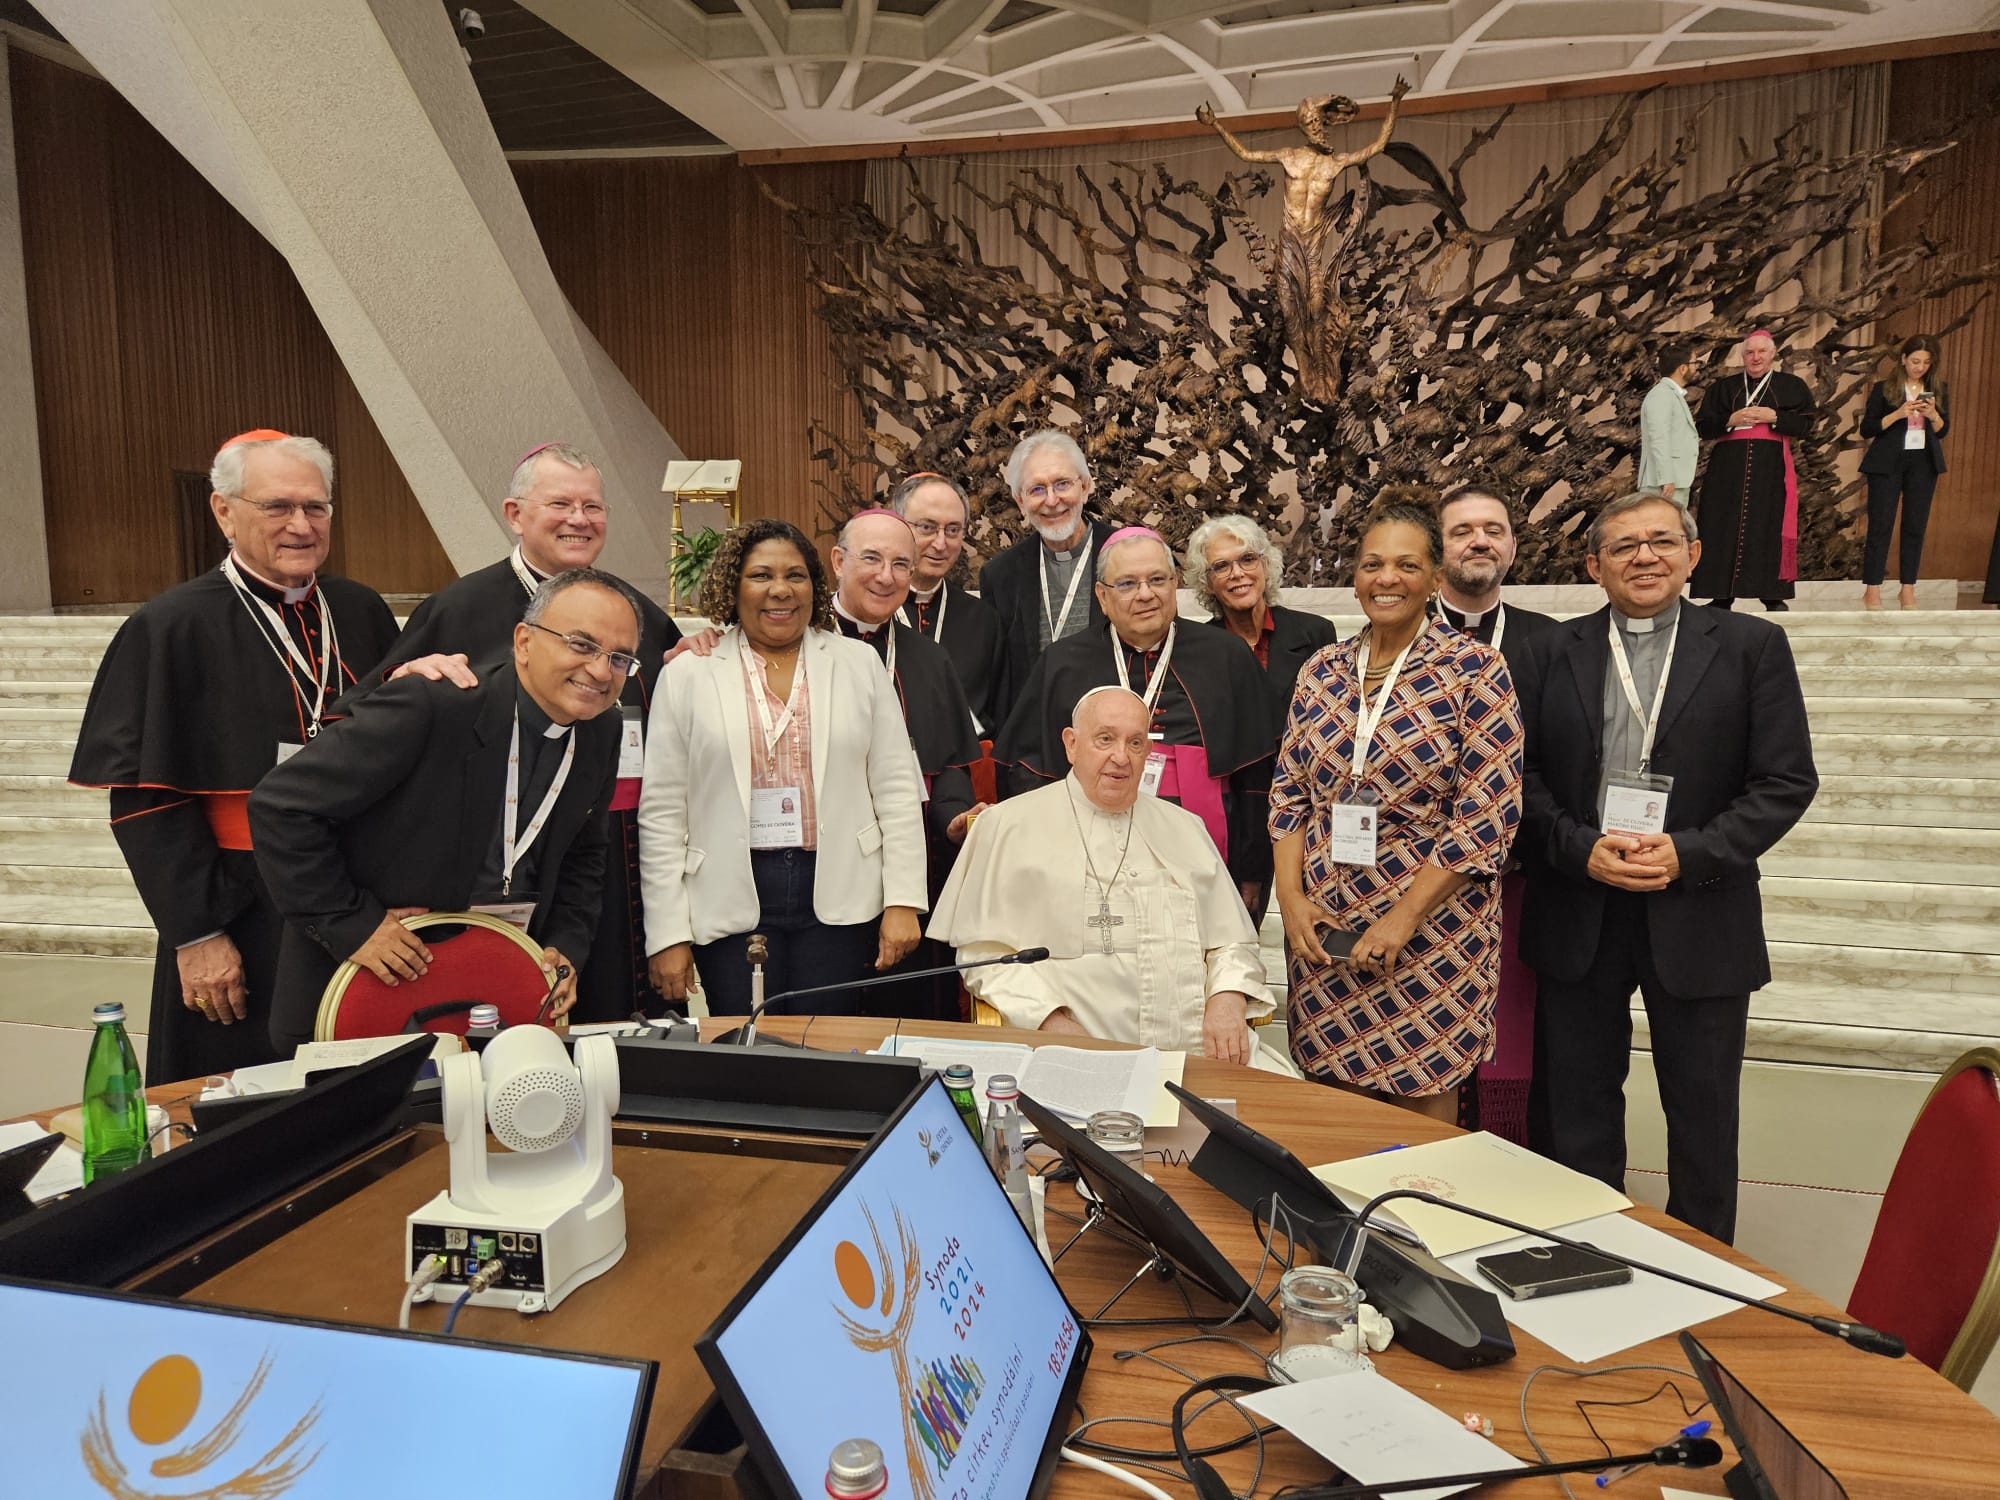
<point x="336" y="987"/>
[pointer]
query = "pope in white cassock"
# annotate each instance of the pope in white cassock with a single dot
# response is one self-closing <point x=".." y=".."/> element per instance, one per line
<point x="1148" y="938"/>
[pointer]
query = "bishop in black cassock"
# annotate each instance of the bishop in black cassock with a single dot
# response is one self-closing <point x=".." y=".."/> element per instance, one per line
<point x="550" y="511"/>
<point x="1747" y="503"/>
<point x="202" y="691"/>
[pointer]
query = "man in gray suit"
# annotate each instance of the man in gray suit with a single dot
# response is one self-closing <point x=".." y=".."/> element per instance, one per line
<point x="1668" y="442"/>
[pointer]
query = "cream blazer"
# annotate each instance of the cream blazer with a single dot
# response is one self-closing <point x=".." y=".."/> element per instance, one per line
<point x="694" y="808"/>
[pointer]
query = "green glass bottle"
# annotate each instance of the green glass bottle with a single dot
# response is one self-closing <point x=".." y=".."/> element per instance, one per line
<point x="958" y="1083"/>
<point x="114" y="1099"/>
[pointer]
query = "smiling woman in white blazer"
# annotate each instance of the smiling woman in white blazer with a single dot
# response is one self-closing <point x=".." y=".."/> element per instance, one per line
<point x="826" y="764"/>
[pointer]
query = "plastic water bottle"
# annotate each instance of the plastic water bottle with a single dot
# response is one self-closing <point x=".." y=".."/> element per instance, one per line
<point x="482" y="1025"/>
<point x="1006" y="1152"/>
<point x="114" y="1099"/>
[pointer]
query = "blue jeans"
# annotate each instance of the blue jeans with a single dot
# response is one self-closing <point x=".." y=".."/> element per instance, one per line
<point x="804" y="951"/>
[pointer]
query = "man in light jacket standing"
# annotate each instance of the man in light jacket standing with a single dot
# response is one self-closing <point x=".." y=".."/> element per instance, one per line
<point x="1668" y="442"/>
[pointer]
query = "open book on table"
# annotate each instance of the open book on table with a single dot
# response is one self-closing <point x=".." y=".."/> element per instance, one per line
<point x="1073" y="1081"/>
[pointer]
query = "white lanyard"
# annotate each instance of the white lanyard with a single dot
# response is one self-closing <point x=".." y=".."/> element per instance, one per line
<point x="1753" y="398"/>
<point x="889" y="648"/>
<point x="1154" y="683"/>
<point x="527" y="579"/>
<point x="1365" y="718"/>
<point x="285" y="647"/>
<point x="944" y="598"/>
<point x="761" y="693"/>
<point x="1499" y="622"/>
<point x="1056" y="622"/>
<point x="1649" y="722"/>
<point x="511" y="852"/>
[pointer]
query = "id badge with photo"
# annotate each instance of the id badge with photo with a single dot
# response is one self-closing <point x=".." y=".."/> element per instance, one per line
<point x="1633" y="802"/>
<point x="632" y="748"/>
<point x="1353" y="825"/>
<point x="1154" y="774"/>
<point x="776" y="821"/>
<point x="514" y="912"/>
<point x="1913" y="436"/>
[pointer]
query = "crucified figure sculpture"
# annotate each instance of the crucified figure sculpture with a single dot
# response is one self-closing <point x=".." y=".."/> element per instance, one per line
<point x="1308" y="279"/>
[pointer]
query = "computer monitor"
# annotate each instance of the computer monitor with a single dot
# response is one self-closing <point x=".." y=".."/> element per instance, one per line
<point x="128" y="1395"/>
<point x="911" y="1308"/>
<point x="1774" y="1465"/>
<point x="1144" y="1207"/>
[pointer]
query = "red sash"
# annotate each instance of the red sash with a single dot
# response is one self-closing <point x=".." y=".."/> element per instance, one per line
<point x="1187" y="781"/>
<point x="1788" y="530"/>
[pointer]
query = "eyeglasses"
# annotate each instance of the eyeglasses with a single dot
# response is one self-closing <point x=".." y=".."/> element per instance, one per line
<point x="583" y="648"/>
<point x="1158" y="583"/>
<point x="1062" y="489"/>
<point x="589" y="510"/>
<point x="1663" y="547"/>
<point x="282" y="511"/>
<point x="875" y="562"/>
<point x="925" y="530"/>
<point x="1242" y="562"/>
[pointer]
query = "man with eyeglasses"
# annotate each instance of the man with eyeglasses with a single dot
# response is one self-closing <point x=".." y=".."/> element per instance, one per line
<point x="1211" y="727"/>
<point x="1666" y="749"/>
<point x="556" y="509"/>
<point x="202" y="691"/>
<point x="431" y="797"/>
<point x="874" y="560"/>
<point x="1041" y="586"/>
<point x="964" y="624"/>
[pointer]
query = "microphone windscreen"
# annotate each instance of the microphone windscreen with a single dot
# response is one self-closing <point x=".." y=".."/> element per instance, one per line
<point x="1689" y="1453"/>
<point x="1031" y="955"/>
<point x="1861" y="1336"/>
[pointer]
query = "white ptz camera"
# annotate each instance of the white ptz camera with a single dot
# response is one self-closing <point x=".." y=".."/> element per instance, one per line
<point x="471" y="25"/>
<point x="548" y="1208"/>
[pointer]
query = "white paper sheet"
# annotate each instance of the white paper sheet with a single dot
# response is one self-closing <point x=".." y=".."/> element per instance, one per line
<point x="1074" y="1081"/>
<point x="1587" y="1326"/>
<point x="1377" y="1431"/>
<point x="61" y="1173"/>
<point x="315" y="1056"/>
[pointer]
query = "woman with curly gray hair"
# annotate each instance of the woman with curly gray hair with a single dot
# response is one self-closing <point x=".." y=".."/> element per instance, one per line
<point x="1233" y="567"/>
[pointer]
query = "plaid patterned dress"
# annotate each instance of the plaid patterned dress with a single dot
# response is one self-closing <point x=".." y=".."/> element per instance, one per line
<point x="1446" y="762"/>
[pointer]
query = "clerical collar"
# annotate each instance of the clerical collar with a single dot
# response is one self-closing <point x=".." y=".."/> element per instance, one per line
<point x="866" y="631"/>
<point x="1141" y="650"/>
<point x="1064" y="554"/>
<point x="924" y="596"/>
<point x="1664" y="620"/>
<point x="1465" y="619"/>
<point x="272" y="591"/>
<point x="533" y="720"/>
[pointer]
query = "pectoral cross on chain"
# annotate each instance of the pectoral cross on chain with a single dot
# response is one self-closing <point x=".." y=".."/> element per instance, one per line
<point x="1104" y="921"/>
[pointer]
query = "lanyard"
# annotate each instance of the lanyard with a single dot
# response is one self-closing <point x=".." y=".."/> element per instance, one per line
<point x="1649" y="723"/>
<point x="286" y="649"/>
<point x="1366" y="718"/>
<point x="1154" y="683"/>
<point x="943" y="599"/>
<point x="1056" y="622"/>
<point x="527" y="579"/>
<point x="511" y="852"/>
<point x="1499" y="622"/>
<point x="1750" y="397"/>
<point x="761" y="693"/>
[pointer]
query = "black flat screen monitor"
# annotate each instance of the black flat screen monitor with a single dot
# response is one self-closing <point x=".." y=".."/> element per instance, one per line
<point x="1144" y="1208"/>
<point x="130" y="1395"/>
<point x="1773" y="1465"/>
<point x="910" y="1308"/>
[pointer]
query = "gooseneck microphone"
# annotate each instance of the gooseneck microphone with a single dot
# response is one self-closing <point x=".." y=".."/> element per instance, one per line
<point x="1681" y="1453"/>
<point x="745" y="1034"/>
<point x="1860" y="1335"/>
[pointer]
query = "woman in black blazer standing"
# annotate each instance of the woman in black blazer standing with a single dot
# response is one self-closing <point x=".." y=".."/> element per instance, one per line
<point x="1233" y="569"/>
<point x="1905" y="423"/>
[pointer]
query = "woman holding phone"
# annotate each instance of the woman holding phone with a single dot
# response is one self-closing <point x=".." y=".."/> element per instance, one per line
<point x="1905" y="423"/>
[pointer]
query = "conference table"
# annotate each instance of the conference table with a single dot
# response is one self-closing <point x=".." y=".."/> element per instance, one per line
<point x="703" y="1214"/>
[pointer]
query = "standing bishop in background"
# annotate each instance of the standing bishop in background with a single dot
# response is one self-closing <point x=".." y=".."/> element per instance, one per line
<point x="1148" y="940"/>
<point x="204" y="690"/>
<point x="964" y="624"/>
<point x="1748" y="508"/>
<point x="555" y="505"/>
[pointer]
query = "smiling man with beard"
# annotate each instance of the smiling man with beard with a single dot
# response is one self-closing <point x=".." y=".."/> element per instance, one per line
<point x="1479" y="546"/>
<point x="432" y="797"/>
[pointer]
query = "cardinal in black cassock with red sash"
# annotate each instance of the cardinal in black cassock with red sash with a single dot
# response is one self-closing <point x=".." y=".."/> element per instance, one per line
<point x="556" y="507"/>
<point x="202" y="691"/>
<point x="1747" y="503"/>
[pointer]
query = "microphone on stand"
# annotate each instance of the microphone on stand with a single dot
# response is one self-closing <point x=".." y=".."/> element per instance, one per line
<point x="1860" y="1335"/>
<point x="1681" y="1453"/>
<point x="746" y="1034"/>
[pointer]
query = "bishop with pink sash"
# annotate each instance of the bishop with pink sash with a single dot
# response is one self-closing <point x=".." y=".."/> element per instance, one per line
<point x="1747" y="502"/>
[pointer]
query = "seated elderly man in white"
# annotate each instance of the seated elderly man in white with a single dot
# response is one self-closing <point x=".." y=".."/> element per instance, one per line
<point x="1148" y="938"/>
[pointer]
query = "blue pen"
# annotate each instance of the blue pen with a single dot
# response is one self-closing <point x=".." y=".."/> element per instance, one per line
<point x="1612" y="1476"/>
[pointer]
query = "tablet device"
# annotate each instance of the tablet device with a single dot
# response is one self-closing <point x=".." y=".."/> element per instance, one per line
<point x="1774" y="1465"/>
<point x="19" y="1164"/>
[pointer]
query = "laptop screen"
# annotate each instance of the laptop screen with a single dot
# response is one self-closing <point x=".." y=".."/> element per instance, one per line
<point x="117" y="1395"/>
<point x="911" y="1309"/>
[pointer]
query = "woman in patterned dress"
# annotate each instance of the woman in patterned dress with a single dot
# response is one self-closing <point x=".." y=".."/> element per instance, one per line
<point x="1408" y="1013"/>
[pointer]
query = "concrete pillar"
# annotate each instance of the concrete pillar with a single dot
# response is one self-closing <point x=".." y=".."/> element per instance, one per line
<point x="24" y="561"/>
<point x="350" y="134"/>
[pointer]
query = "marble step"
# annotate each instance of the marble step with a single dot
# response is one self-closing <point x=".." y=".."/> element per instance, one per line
<point x="76" y="883"/>
<point x="33" y="934"/>
<point x="1818" y="1045"/>
<point x="56" y="692"/>
<point x="1886" y="1010"/>
<point x="1920" y="918"/>
<point x="1906" y="801"/>
<point x="1830" y="968"/>
<point x="1962" y="717"/>
<point x="1905" y="681"/>
<point x="1865" y="648"/>
<point x="48" y="796"/>
<point x="43" y="840"/>
<point x="43" y="720"/>
<point x="1891" y="623"/>
<point x="38" y="755"/>
<point x="1846" y="851"/>
<point x="1909" y="755"/>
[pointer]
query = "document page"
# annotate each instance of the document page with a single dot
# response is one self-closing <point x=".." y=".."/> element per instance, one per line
<point x="1078" y="1082"/>
<point x="984" y="1058"/>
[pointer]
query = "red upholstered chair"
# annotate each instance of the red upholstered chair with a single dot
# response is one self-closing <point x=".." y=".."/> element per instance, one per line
<point x="482" y="960"/>
<point x="1932" y="1273"/>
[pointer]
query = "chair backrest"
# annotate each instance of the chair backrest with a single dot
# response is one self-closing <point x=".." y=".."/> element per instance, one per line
<point x="486" y="961"/>
<point x="1932" y="1272"/>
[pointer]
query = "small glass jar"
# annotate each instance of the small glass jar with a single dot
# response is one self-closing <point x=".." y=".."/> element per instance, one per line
<point x="1319" y="1332"/>
<point x="1119" y="1132"/>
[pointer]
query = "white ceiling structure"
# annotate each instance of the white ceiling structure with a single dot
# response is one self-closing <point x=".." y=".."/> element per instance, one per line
<point x="763" y="74"/>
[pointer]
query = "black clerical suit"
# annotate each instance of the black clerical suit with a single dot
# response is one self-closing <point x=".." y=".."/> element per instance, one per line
<point x="400" y="804"/>
<point x="191" y="705"/>
<point x="1733" y="735"/>
<point x="477" y="615"/>
<point x="1012" y="584"/>
<point x="973" y="637"/>
<point x="1740" y="498"/>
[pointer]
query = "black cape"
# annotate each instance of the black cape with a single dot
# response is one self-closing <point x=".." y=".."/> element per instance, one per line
<point x="1740" y="500"/>
<point x="190" y="699"/>
<point x="1215" y="696"/>
<point x="1296" y="637"/>
<point x="477" y="615"/>
<point x="976" y="641"/>
<point x="1011" y="584"/>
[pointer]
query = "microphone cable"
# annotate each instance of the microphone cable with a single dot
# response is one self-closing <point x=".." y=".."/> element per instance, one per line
<point x="1570" y="1370"/>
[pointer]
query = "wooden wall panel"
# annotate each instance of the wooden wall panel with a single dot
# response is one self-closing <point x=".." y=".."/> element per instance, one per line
<point x="161" y="324"/>
<point x="1959" y="207"/>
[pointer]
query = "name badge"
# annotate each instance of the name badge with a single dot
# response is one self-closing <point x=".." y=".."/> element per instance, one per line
<point x="513" y="913"/>
<point x="1913" y="436"/>
<point x="632" y="748"/>
<point x="1352" y="826"/>
<point x="1633" y="802"/>
<point x="286" y="752"/>
<point x="776" y="821"/>
<point x="1154" y="774"/>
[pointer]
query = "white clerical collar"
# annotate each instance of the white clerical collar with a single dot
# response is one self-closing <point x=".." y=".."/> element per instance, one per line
<point x="1471" y="617"/>
<point x="292" y="596"/>
<point x="867" y="630"/>
<point x="1664" y="620"/>
<point x="924" y="596"/>
<point x="1079" y="797"/>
